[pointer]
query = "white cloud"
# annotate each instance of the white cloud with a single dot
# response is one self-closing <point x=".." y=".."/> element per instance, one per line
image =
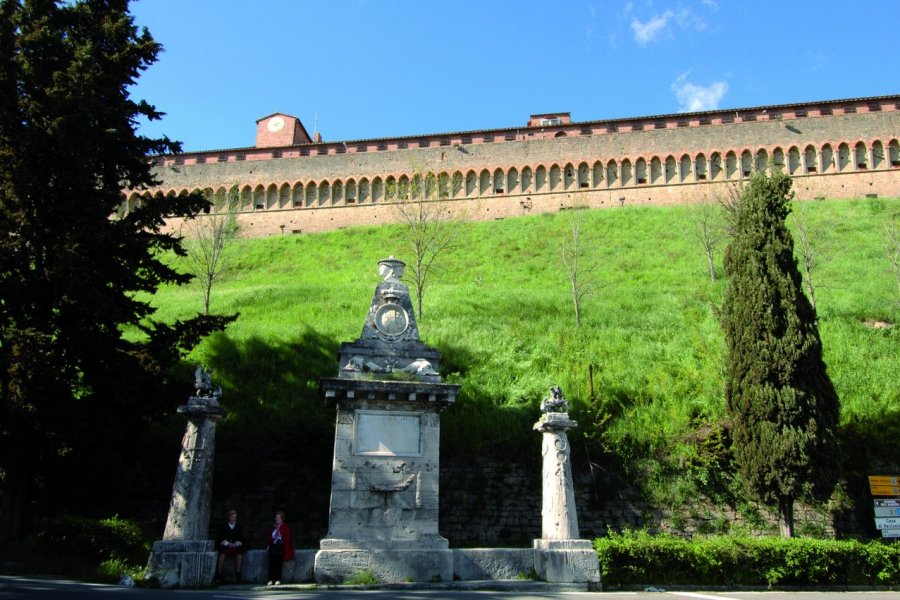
<point x="652" y="29"/>
<point x="693" y="98"/>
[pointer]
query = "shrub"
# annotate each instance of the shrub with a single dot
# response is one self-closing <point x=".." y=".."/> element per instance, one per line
<point x="638" y="558"/>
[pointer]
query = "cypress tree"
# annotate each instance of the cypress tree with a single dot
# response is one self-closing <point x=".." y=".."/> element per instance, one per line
<point x="782" y="404"/>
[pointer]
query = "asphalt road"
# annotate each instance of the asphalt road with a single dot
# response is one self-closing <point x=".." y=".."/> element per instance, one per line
<point x="14" y="588"/>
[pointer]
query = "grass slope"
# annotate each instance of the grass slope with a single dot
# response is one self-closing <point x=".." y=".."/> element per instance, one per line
<point x="501" y="314"/>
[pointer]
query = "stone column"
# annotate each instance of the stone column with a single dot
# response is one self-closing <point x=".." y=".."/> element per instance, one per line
<point x="185" y="557"/>
<point x="559" y="519"/>
<point x="559" y="556"/>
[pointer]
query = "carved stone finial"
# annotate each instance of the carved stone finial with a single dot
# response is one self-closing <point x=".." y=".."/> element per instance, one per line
<point x="555" y="403"/>
<point x="391" y="268"/>
<point x="203" y="385"/>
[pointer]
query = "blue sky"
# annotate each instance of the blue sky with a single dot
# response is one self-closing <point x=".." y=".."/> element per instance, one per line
<point x="358" y="69"/>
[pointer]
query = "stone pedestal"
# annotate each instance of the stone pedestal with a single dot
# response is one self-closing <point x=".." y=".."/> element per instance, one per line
<point x="185" y="557"/>
<point x="385" y="476"/>
<point x="559" y="556"/>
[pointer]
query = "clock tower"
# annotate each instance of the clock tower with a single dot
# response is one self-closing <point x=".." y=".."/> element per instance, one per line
<point x="279" y="129"/>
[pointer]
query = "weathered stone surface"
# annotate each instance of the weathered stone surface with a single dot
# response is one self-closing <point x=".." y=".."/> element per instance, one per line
<point x="387" y="566"/>
<point x="184" y="564"/>
<point x="474" y="564"/>
<point x="566" y="561"/>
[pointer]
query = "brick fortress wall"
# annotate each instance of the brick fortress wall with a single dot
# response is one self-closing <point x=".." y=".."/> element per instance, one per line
<point x="843" y="150"/>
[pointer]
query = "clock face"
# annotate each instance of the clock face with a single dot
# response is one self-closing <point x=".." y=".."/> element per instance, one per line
<point x="275" y="124"/>
<point x="391" y="320"/>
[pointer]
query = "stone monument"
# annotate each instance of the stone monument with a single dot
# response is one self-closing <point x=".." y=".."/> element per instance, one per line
<point x="185" y="557"/>
<point x="559" y="556"/>
<point x="385" y="477"/>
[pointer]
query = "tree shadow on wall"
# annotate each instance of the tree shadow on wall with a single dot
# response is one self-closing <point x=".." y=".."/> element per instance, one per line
<point x="274" y="447"/>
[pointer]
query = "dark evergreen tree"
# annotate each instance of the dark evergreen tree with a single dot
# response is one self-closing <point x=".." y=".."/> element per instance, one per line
<point x="783" y="407"/>
<point x="72" y="269"/>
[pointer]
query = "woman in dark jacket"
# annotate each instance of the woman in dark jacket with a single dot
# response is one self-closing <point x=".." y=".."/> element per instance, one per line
<point x="280" y="548"/>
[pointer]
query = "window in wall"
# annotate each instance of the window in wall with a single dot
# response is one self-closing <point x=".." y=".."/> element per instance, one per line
<point x="826" y="111"/>
<point x="810" y="157"/>
<point x="587" y="131"/>
<point x="640" y="171"/>
<point x="683" y="123"/>
<point x="849" y="109"/>
<point x="612" y="127"/>
<point x="700" y="169"/>
<point x="509" y="137"/>
<point x="671" y="169"/>
<point x="179" y="160"/>
<point x="304" y="151"/>
<point x="655" y="169"/>
<point x="827" y="158"/>
<point x="201" y="160"/>
<point x="240" y="156"/>
<point x="705" y="120"/>
<point x="659" y="125"/>
<point x="843" y="156"/>
<point x="874" y="107"/>
<point x="793" y="160"/>
<point x="222" y="158"/>
<point x="728" y="119"/>
<point x="637" y="127"/>
<point x="877" y="155"/>
<point x="551" y="122"/>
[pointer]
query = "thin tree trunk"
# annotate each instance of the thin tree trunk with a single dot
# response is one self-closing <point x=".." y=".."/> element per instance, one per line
<point x="712" y="265"/>
<point x="16" y="490"/>
<point x="786" y="516"/>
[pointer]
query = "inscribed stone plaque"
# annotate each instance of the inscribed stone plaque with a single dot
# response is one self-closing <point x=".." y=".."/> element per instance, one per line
<point x="388" y="433"/>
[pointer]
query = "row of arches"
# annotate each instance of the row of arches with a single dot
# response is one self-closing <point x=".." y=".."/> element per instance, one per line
<point x="567" y="176"/>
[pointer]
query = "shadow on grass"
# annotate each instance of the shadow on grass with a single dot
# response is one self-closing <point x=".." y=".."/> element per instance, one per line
<point x="274" y="448"/>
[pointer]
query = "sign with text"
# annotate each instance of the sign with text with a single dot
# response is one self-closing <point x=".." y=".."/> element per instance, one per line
<point x="890" y="533"/>
<point x="887" y="522"/>
<point x="887" y="511"/>
<point x="887" y="503"/>
<point x="884" y="485"/>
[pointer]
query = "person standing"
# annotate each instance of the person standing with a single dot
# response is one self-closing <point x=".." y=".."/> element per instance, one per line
<point x="280" y="548"/>
<point x="230" y="542"/>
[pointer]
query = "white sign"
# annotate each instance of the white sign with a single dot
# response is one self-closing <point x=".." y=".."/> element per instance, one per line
<point x="890" y="533"/>
<point x="895" y="502"/>
<point x="887" y="523"/>
<point x="887" y="511"/>
<point x="388" y="433"/>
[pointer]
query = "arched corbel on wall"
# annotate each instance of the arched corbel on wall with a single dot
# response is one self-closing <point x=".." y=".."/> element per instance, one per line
<point x="324" y="195"/>
<point x="684" y="169"/>
<point x="878" y="155"/>
<point x="627" y="173"/>
<point x="700" y="168"/>
<point x="793" y="161"/>
<point x="844" y="158"/>
<point x="862" y="157"/>
<point x="811" y="159"/>
<point x="828" y="159"/>
<point x="656" y="170"/>
<point x="527" y="179"/>
<point x="311" y="193"/>
<point x="584" y="176"/>
<point x="351" y="195"/>
<point x="762" y="161"/>
<point x="297" y="195"/>
<point x="555" y="177"/>
<point x="377" y="190"/>
<point x="284" y="198"/>
<point x="640" y="171"/>
<point x="597" y="174"/>
<point x="512" y="181"/>
<point x="471" y="184"/>
<point x="746" y="163"/>
<point x="716" y="168"/>
<point x="778" y="163"/>
<point x="568" y="176"/>
<point x="499" y="183"/>
<point x="540" y="179"/>
<point x="364" y="191"/>
<point x="670" y="169"/>
<point x="612" y="173"/>
<point x="484" y="182"/>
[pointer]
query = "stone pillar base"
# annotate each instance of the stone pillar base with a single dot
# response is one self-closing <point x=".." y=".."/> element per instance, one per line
<point x="387" y="565"/>
<point x="183" y="564"/>
<point x="567" y="561"/>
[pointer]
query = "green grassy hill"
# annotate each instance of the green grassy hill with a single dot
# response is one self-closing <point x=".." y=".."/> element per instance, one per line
<point x="501" y="314"/>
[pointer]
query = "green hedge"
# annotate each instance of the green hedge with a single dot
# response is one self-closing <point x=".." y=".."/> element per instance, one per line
<point x="638" y="558"/>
